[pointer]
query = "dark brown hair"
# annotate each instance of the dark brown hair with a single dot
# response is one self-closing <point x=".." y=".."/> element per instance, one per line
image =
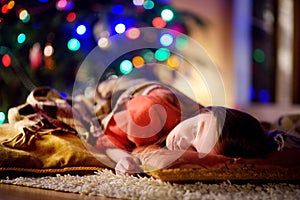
<point x="241" y="134"/>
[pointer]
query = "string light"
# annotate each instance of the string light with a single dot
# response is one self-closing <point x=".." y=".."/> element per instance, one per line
<point x="48" y="50"/>
<point x="251" y="93"/>
<point x="167" y="14"/>
<point x="11" y="5"/>
<point x="5" y="9"/>
<point x="117" y="9"/>
<point x="259" y="56"/>
<point x="120" y="28"/>
<point x="81" y="29"/>
<point x="6" y="60"/>
<point x="126" y="67"/>
<point x="162" y="54"/>
<point x="21" y="38"/>
<point x="173" y="62"/>
<point x="138" y="61"/>
<point x="133" y="33"/>
<point x="71" y="17"/>
<point x="103" y="43"/>
<point x="149" y="4"/>
<point x="147" y="55"/>
<point x="166" y="39"/>
<point x="2" y="117"/>
<point x="138" y="2"/>
<point x="61" y="4"/>
<point x="73" y="44"/>
<point x="181" y="42"/>
<point x="70" y="5"/>
<point x="264" y="96"/>
<point x="158" y="22"/>
<point x="24" y="16"/>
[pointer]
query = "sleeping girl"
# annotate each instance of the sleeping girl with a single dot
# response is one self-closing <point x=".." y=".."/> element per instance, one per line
<point x="153" y="113"/>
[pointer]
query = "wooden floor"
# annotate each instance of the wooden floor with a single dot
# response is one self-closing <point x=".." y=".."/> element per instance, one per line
<point x="12" y="192"/>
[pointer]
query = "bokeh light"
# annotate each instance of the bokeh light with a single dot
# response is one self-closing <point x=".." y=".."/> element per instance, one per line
<point x="11" y="5"/>
<point x="133" y="33"/>
<point x="167" y="15"/>
<point x="162" y="54"/>
<point x="61" y="4"/>
<point x="73" y="44"/>
<point x="174" y="62"/>
<point x="81" y="29"/>
<point x="6" y="60"/>
<point x="117" y="9"/>
<point x="259" y="56"/>
<point x="120" y="28"/>
<point x="158" y="22"/>
<point x="138" y="61"/>
<point x="103" y="43"/>
<point x="71" y="17"/>
<point x="149" y="4"/>
<point x="21" y="38"/>
<point x="63" y="94"/>
<point x="181" y="42"/>
<point x="138" y="2"/>
<point x="166" y="39"/>
<point x="24" y="16"/>
<point x="5" y="9"/>
<point x="126" y="67"/>
<point x="264" y="96"/>
<point x="48" y="50"/>
<point x="252" y="93"/>
<point x="2" y="117"/>
<point x="147" y="55"/>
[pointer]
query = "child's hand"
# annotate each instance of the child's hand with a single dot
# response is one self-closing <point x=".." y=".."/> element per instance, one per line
<point x="128" y="165"/>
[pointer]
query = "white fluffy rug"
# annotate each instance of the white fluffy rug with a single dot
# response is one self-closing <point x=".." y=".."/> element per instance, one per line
<point x="105" y="183"/>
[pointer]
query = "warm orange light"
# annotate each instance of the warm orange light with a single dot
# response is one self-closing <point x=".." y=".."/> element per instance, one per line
<point x="138" y="61"/>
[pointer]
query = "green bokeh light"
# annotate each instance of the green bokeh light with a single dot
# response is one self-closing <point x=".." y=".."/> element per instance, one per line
<point x="148" y="4"/>
<point x="259" y="56"/>
<point x="73" y="44"/>
<point x="21" y="38"/>
<point x="148" y="55"/>
<point x="162" y="54"/>
<point x="2" y="117"/>
<point x="181" y="42"/>
<point x="126" y="67"/>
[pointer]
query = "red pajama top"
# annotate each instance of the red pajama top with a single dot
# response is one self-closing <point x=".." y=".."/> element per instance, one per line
<point x="146" y="119"/>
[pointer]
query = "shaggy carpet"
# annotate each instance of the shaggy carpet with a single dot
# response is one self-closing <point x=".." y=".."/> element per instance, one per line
<point x="107" y="184"/>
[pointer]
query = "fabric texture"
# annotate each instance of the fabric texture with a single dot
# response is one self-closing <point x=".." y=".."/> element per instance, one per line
<point x="51" y="134"/>
<point x="144" y="114"/>
<point x="46" y="151"/>
<point x="44" y="134"/>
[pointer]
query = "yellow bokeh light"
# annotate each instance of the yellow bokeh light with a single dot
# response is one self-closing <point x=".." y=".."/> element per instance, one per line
<point x="173" y="62"/>
<point x="103" y="42"/>
<point x="48" y="50"/>
<point x="11" y="4"/>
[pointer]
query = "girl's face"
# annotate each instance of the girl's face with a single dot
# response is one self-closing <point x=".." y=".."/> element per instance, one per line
<point x="199" y="133"/>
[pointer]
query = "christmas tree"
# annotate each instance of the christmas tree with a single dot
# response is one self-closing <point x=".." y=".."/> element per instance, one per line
<point x="42" y="42"/>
